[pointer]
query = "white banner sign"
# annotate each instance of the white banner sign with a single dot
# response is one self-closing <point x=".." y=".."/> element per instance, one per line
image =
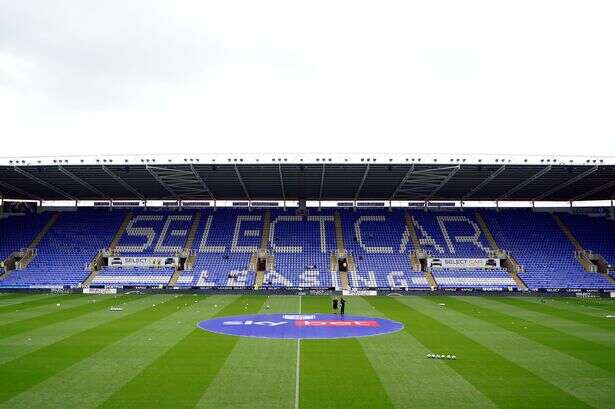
<point x="88" y="290"/>
<point x="143" y="261"/>
<point x="359" y="292"/>
<point x="464" y="262"/>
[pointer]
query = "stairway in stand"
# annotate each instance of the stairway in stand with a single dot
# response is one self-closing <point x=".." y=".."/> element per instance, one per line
<point x="341" y="249"/>
<point x="583" y="256"/>
<point x="116" y="239"/>
<point x="416" y="244"/>
<point x="196" y="220"/>
<point x="260" y="275"/>
<point x="30" y="251"/>
<point x="510" y="263"/>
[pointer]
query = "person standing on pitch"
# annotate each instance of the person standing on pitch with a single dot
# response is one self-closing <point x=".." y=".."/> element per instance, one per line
<point x="342" y="305"/>
<point x="335" y="305"/>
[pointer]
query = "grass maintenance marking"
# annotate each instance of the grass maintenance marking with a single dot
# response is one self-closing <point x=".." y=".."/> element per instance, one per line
<point x="564" y="323"/>
<point x="502" y="381"/>
<point x="586" y="382"/>
<point x="258" y="373"/>
<point x="112" y="367"/>
<point x="31" y="369"/>
<point x="598" y="320"/>
<point x="336" y="373"/>
<point x="401" y="364"/>
<point x="26" y="302"/>
<point x="183" y="373"/>
<point x="93" y="304"/>
<point x="590" y="352"/>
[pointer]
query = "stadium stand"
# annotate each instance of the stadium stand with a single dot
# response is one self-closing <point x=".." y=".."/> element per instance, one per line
<point x="547" y="257"/>
<point x="227" y="239"/>
<point x="594" y="233"/>
<point x="119" y="277"/>
<point x="155" y="233"/>
<point x="19" y="231"/>
<point x="378" y="242"/>
<point x="450" y="234"/>
<point x="301" y="247"/>
<point x="63" y="254"/>
<point x="473" y="278"/>
<point x="380" y="245"/>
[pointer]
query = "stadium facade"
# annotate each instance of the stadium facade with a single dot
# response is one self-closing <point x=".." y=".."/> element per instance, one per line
<point x="276" y="222"/>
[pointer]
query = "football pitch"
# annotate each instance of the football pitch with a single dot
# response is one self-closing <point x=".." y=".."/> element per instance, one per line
<point x="71" y="351"/>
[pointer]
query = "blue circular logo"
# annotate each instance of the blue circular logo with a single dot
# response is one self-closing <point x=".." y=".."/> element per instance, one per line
<point x="300" y="326"/>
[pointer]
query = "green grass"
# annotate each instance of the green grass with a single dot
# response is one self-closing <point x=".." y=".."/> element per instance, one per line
<point x="512" y="353"/>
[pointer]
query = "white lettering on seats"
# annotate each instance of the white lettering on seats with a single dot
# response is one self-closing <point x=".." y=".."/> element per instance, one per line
<point x="359" y="235"/>
<point x="235" y="248"/>
<point x="281" y="248"/>
<point x="474" y="238"/>
<point x="147" y="232"/>
<point x="203" y="247"/>
<point x="427" y="240"/>
<point x="160" y="247"/>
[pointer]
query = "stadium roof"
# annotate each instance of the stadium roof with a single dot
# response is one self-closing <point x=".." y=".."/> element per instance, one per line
<point x="309" y="177"/>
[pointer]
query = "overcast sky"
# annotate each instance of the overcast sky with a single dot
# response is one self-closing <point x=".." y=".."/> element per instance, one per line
<point x="87" y="77"/>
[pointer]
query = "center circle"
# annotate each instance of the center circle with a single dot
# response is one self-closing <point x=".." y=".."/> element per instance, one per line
<point x="300" y="326"/>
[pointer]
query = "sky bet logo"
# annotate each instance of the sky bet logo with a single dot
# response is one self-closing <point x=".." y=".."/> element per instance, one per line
<point x="309" y="323"/>
<point x="300" y="326"/>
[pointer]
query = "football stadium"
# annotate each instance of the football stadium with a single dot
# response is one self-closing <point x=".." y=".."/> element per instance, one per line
<point x="307" y="281"/>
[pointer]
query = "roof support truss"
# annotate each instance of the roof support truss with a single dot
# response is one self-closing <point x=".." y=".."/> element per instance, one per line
<point x="19" y="190"/>
<point x="403" y="181"/>
<point x="282" y="183"/>
<point x="43" y="183"/>
<point x="526" y="182"/>
<point x="180" y="183"/>
<point x="485" y="182"/>
<point x="566" y="183"/>
<point x="322" y="183"/>
<point x="424" y="183"/>
<point x="200" y="179"/>
<point x="122" y="182"/>
<point x="80" y="181"/>
<point x="444" y="182"/>
<point x="243" y="185"/>
<point x="356" y="196"/>
<point x="595" y="190"/>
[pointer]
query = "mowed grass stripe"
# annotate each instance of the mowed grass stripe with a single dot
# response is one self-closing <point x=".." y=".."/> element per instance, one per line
<point x="6" y="296"/>
<point x="92" y="304"/>
<point x="100" y="375"/>
<point x="502" y="381"/>
<point x="179" y="377"/>
<point x="18" y="297"/>
<point x="586" y="382"/>
<point x="598" y="320"/>
<point x="408" y="377"/>
<point x="31" y="302"/>
<point x="27" y="342"/>
<point x="259" y="373"/>
<point x="336" y="373"/>
<point x="590" y="352"/>
<point x="20" y="315"/>
<point x="31" y="369"/>
<point x="571" y="326"/>
<point x="590" y="306"/>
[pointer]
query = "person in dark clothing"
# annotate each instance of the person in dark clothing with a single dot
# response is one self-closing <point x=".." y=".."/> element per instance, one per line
<point x="342" y="305"/>
<point x="335" y="306"/>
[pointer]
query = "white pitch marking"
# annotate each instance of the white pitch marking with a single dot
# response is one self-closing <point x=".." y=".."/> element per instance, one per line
<point x="298" y="365"/>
